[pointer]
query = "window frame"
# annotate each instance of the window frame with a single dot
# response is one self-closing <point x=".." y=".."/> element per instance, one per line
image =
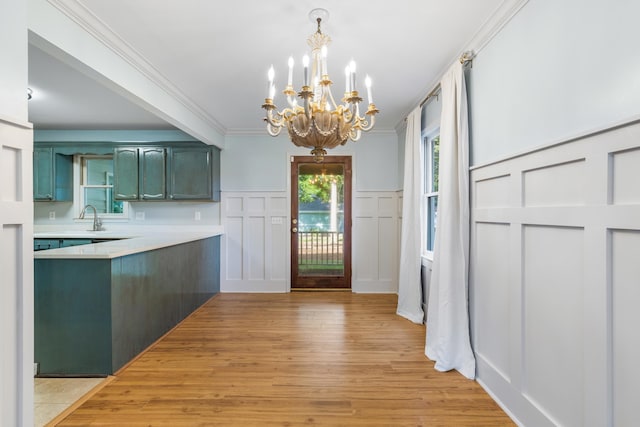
<point x="428" y="192"/>
<point x="80" y="177"/>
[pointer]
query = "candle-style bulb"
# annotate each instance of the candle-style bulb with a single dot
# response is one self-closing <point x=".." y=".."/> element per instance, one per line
<point x="367" y="83"/>
<point x="305" y="65"/>
<point x="290" y="79"/>
<point x="271" y="74"/>
<point x="352" y="68"/>
<point x="323" y="55"/>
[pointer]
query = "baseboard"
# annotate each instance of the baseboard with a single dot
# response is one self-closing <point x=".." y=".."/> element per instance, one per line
<point x="254" y="286"/>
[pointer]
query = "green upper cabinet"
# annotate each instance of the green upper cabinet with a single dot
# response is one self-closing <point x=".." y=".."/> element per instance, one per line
<point x="125" y="173"/>
<point x="152" y="173"/>
<point x="194" y="173"/>
<point x="52" y="175"/>
<point x="139" y="173"/>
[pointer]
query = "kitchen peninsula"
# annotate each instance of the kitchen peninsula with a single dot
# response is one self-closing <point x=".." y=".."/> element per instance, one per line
<point x="97" y="306"/>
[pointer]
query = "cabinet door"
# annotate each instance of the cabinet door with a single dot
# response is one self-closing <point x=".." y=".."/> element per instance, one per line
<point x="125" y="173"/>
<point x="152" y="173"/>
<point x="63" y="177"/>
<point x="191" y="173"/>
<point x="43" y="173"/>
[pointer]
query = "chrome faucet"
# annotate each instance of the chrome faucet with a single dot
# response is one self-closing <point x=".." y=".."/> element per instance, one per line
<point x="97" y="223"/>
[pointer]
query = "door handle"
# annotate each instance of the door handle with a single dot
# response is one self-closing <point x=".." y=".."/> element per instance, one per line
<point x="294" y="230"/>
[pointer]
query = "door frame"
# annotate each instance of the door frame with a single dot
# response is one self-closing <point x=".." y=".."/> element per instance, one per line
<point x="321" y="282"/>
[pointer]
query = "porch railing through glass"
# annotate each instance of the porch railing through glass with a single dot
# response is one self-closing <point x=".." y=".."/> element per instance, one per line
<point x="320" y="253"/>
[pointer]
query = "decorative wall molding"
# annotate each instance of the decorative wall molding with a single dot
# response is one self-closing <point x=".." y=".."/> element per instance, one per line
<point x="16" y="264"/>
<point x="553" y="292"/>
<point x="256" y="245"/>
<point x="255" y="254"/>
<point x="375" y="242"/>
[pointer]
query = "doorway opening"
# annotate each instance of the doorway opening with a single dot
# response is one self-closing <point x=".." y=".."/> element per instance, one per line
<point x="321" y="223"/>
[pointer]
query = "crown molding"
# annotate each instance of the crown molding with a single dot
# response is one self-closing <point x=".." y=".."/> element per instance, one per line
<point x="493" y="25"/>
<point x="500" y="17"/>
<point x="90" y="23"/>
<point x="262" y="132"/>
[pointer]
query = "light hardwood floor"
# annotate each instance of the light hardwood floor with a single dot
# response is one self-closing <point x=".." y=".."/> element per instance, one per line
<point x="322" y="359"/>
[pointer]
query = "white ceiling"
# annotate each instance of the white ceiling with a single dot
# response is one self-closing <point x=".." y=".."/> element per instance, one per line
<point x="217" y="54"/>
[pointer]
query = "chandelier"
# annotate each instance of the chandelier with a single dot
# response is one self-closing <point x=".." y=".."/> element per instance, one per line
<point x="319" y="123"/>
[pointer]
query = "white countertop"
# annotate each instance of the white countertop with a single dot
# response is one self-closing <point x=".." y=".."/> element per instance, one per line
<point x="132" y="241"/>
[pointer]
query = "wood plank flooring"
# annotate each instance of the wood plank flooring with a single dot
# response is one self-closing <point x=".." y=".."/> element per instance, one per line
<point x="297" y="359"/>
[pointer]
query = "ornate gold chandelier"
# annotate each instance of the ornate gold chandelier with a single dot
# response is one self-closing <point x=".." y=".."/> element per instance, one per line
<point x="319" y="123"/>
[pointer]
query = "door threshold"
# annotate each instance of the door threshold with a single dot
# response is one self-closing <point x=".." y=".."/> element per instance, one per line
<point x="320" y="289"/>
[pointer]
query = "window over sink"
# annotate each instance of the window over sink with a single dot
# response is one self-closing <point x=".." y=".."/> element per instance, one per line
<point x="94" y="186"/>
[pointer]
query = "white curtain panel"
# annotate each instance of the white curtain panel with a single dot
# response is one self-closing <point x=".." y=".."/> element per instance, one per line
<point x="448" y="342"/>
<point x="409" y="285"/>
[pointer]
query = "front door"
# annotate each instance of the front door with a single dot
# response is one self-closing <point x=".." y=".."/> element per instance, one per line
<point x="321" y="223"/>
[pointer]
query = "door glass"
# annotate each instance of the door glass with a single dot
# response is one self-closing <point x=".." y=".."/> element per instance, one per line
<point x="320" y="220"/>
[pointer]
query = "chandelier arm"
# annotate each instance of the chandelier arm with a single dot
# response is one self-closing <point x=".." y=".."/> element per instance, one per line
<point x="349" y="114"/>
<point x="368" y="125"/>
<point x="354" y="134"/>
<point x="273" y="130"/>
<point x="333" y="101"/>
<point x="275" y="122"/>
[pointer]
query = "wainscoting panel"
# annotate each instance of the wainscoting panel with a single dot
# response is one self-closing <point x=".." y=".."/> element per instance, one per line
<point x="625" y="292"/>
<point x="555" y="185"/>
<point x="366" y="243"/>
<point x="625" y="167"/>
<point x="233" y="237"/>
<point x="553" y="335"/>
<point x="16" y="264"/>
<point x="492" y="296"/>
<point x="375" y="242"/>
<point x="554" y="292"/>
<point x="493" y="192"/>
<point x="256" y="245"/>
<point x="256" y="241"/>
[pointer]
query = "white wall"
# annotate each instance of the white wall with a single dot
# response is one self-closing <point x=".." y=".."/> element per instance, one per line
<point x="260" y="162"/>
<point x="16" y="229"/>
<point x="551" y="278"/>
<point x="558" y="68"/>
<point x="256" y="212"/>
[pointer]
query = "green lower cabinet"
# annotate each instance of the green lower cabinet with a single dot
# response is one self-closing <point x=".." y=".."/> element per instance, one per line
<point x="45" y="244"/>
<point x="92" y="316"/>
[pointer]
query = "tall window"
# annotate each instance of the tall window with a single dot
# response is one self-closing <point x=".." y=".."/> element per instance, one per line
<point x="96" y="186"/>
<point x="430" y="198"/>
